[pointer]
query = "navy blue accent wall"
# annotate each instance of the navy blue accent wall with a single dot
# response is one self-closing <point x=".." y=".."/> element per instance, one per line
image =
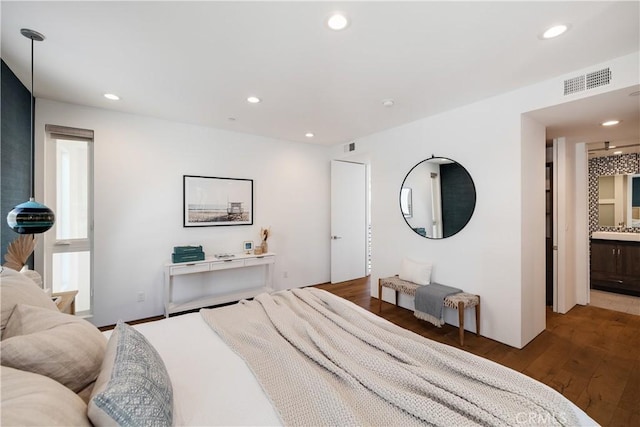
<point x="15" y="150"/>
<point x="458" y="198"/>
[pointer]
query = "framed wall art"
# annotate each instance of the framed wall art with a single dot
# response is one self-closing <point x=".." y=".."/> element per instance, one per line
<point x="213" y="201"/>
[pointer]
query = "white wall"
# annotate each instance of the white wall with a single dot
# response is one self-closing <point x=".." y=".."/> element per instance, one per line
<point x="139" y="164"/>
<point x="533" y="296"/>
<point x="500" y="253"/>
<point x="480" y="259"/>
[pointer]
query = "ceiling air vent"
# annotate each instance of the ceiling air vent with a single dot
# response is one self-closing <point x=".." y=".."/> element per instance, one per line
<point x="574" y="85"/>
<point x="598" y="78"/>
<point x="588" y="81"/>
<point x="350" y="147"/>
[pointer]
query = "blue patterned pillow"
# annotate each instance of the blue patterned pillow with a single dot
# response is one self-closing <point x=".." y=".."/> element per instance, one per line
<point x="133" y="388"/>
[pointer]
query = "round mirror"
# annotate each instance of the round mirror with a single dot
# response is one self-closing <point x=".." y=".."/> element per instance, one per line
<point x="437" y="198"/>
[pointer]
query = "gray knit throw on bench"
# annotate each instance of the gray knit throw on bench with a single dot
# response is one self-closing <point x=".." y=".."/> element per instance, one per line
<point x="322" y="362"/>
<point x="429" y="302"/>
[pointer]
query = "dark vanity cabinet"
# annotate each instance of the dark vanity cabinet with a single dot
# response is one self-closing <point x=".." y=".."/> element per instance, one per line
<point x="615" y="266"/>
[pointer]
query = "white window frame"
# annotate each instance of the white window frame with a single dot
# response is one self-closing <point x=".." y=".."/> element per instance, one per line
<point x="52" y="245"/>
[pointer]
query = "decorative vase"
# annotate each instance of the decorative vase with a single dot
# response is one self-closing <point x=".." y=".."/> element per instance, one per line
<point x="265" y="247"/>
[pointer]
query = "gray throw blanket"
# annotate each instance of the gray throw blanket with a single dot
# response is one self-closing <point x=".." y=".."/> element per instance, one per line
<point x="323" y="362"/>
<point x="429" y="300"/>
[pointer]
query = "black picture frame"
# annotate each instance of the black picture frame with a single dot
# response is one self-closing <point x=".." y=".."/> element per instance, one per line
<point x="210" y="201"/>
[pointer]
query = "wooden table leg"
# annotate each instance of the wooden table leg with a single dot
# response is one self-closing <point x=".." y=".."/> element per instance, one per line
<point x="461" y="321"/>
<point x="478" y="317"/>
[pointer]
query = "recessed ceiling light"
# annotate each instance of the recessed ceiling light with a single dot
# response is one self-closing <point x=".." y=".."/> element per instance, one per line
<point x="610" y="123"/>
<point x="253" y="99"/>
<point x="388" y="103"/>
<point x="555" y="31"/>
<point x="337" y="22"/>
<point x="111" y="96"/>
<point x="617" y="152"/>
<point x="309" y="135"/>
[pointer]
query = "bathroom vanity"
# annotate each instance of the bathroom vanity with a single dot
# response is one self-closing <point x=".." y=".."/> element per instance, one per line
<point x="615" y="262"/>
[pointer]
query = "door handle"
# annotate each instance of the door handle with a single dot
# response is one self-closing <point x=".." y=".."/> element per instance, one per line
<point x="335" y="237"/>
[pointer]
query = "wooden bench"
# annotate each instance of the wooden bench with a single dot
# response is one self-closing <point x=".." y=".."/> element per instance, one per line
<point x="460" y="300"/>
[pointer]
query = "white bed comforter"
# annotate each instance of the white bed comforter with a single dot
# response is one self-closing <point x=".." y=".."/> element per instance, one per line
<point x="213" y="385"/>
<point x="324" y="363"/>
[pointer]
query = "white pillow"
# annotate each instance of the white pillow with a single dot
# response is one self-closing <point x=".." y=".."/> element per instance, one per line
<point x="416" y="272"/>
<point x="16" y="288"/>
<point x="133" y="387"/>
<point x="60" y="346"/>
<point x="30" y="399"/>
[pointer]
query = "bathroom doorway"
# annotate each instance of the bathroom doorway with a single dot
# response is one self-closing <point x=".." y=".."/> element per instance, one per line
<point x="578" y="123"/>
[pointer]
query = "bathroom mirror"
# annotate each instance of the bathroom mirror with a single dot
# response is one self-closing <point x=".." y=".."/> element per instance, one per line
<point x="437" y="198"/>
<point x="619" y="200"/>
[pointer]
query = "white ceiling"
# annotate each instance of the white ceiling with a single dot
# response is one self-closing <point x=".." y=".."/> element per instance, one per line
<point x="197" y="62"/>
<point x="580" y="121"/>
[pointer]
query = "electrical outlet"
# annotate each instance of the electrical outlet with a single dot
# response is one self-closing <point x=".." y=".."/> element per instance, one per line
<point x="140" y="296"/>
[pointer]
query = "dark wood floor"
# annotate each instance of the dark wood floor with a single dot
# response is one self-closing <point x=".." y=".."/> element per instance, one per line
<point x="591" y="355"/>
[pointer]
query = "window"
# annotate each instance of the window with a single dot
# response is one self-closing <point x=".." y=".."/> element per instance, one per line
<point x="69" y="246"/>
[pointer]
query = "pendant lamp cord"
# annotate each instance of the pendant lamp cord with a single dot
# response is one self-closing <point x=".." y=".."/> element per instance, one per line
<point x="33" y="142"/>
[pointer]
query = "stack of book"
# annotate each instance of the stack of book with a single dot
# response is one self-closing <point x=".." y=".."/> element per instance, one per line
<point x="187" y="254"/>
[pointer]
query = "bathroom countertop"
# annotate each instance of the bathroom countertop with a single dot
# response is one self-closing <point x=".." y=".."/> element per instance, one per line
<point x="614" y="235"/>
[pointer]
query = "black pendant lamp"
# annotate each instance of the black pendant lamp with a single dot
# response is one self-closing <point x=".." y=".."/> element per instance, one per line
<point x="31" y="217"/>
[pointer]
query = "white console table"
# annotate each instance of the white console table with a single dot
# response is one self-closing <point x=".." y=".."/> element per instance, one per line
<point x="210" y="266"/>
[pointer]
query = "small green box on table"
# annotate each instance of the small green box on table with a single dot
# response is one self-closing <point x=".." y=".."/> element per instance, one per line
<point x="187" y="254"/>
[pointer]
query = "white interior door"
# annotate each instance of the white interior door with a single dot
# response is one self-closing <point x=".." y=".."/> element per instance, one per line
<point x="564" y="230"/>
<point x="436" y="204"/>
<point x="348" y="221"/>
<point x="583" y="286"/>
<point x="556" y="224"/>
<point x="570" y="225"/>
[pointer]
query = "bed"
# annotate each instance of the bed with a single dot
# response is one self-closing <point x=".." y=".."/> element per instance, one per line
<point x="290" y="358"/>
